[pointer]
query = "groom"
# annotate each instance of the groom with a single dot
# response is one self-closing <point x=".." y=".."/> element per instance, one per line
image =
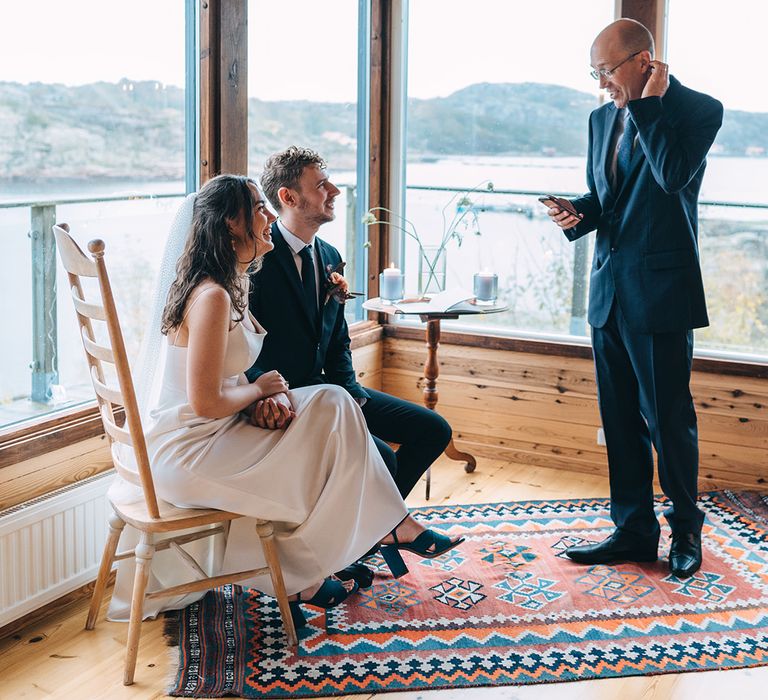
<point x="307" y="337"/>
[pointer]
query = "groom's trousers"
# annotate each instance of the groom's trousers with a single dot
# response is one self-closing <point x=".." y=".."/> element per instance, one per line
<point x="421" y="434"/>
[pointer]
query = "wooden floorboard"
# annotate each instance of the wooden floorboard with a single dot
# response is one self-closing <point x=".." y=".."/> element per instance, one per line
<point x="57" y="658"/>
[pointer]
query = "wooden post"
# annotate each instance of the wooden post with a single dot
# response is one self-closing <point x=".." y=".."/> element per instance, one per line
<point x="651" y="14"/>
<point x="233" y="86"/>
<point x="223" y="88"/>
<point x="379" y="140"/>
<point x="209" y="90"/>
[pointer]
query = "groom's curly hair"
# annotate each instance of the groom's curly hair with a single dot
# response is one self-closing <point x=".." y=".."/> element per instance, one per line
<point x="284" y="169"/>
<point x="208" y="253"/>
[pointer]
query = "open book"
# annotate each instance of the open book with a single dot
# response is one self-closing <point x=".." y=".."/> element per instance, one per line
<point x="439" y="303"/>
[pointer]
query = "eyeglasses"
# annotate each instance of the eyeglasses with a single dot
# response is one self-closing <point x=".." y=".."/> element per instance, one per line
<point x="607" y="73"/>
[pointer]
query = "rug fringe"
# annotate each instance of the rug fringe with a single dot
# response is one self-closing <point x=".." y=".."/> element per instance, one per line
<point x="172" y="628"/>
<point x="172" y="637"/>
<point x="171" y="683"/>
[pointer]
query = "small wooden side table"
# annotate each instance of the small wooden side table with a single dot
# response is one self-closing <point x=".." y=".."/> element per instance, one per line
<point x="431" y="365"/>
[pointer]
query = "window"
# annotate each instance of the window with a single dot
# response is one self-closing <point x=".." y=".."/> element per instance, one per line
<point x="92" y="132"/>
<point x="500" y="93"/>
<point x="306" y="61"/>
<point x="721" y="53"/>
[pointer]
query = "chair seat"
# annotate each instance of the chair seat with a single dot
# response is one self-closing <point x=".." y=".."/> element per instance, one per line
<point x="171" y="517"/>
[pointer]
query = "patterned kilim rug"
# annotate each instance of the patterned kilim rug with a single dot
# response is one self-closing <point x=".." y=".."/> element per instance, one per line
<point x="506" y="607"/>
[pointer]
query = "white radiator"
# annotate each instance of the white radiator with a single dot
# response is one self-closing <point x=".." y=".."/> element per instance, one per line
<point x="51" y="546"/>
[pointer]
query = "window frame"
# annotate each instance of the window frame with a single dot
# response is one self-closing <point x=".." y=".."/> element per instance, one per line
<point x="651" y="13"/>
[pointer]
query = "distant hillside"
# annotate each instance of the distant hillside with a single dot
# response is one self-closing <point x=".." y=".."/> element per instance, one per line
<point x="508" y="118"/>
<point x="135" y="130"/>
<point x="92" y="131"/>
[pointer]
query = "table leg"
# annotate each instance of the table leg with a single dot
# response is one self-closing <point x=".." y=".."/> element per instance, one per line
<point x="431" y="367"/>
<point x="431" y="373"/>
<point x="453" y="453"/>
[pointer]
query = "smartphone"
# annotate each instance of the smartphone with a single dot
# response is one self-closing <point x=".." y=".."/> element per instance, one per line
<point x="551" y="201"/>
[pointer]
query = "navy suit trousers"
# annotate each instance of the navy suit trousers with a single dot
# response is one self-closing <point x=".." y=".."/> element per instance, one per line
<point x="643" y="391"/>
<point x="422" y="435"/>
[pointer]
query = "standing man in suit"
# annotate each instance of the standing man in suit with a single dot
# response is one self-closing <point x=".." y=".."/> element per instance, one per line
<point x="646" y="160"/>
<point x="308" y="340"/>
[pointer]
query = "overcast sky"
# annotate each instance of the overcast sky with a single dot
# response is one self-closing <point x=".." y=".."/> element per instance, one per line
<point x="453" y="43"/>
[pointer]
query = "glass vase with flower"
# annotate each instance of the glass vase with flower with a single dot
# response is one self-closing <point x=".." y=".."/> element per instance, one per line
<point x="464" y="219"/>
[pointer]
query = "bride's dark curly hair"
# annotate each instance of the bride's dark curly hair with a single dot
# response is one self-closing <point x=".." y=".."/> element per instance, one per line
<point x="208" y="253"/>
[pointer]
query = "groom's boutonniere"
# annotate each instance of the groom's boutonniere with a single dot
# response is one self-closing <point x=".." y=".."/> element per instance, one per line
<point x="336" y="285"/>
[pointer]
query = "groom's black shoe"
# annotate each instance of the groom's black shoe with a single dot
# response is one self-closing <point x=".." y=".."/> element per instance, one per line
<point x="617" y="547"/>
<point x="685" y="554"/>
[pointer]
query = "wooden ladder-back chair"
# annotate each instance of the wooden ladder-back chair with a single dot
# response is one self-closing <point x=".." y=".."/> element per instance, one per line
<point x="152" y="516"/>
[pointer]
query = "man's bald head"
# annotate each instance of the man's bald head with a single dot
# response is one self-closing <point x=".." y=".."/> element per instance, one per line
<point x="621" y="56"/>
<point x="627" y="34"/>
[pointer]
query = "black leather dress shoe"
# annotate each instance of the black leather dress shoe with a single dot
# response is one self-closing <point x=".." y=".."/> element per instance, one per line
<point x="616" y="547"/>
<point x="685" y="554"/>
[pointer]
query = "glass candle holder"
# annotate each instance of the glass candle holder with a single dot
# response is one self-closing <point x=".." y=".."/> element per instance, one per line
<point x="391" y="285"/>
<point x="486" y="288"/>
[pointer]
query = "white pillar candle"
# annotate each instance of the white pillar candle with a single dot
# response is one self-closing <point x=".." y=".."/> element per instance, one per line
<point x="391" y="282"/>
<point x="486" y="286"/>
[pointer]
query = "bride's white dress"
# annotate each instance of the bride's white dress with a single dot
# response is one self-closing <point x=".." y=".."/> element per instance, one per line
<point x="321" y="480"/>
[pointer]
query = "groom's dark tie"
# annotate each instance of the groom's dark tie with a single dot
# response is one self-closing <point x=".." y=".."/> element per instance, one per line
<point x="308" y="281"/>
<point x="624" y="153"/>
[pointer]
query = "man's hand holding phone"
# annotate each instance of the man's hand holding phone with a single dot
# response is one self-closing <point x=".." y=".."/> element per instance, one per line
<point x="561" y="211"/>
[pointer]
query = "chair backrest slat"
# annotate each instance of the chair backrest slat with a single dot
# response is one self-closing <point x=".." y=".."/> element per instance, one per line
<point x="117" y="433"/>
<point x="130" y="475"/>
<point x="108" y="393"/>
<point x="74" y="260"/>
<point x="100" y="352"/>
<point x="92" y="311"/>
<point x="78" y="265"/>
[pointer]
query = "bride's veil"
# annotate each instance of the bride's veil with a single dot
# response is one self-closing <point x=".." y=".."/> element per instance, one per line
<point x="166" y="569"/>
<point x="153" y="346"/>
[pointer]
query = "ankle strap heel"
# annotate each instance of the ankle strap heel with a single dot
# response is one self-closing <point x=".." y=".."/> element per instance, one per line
<point x="297" y="614"/>
<point x="394" y="560"/>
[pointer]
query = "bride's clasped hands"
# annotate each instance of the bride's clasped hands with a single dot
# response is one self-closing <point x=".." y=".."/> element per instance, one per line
<point x="275" y="411"/>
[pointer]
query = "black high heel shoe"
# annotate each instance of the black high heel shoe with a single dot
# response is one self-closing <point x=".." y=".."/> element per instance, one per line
<point x="358" y="572"/>
<point x="329" y="595"/>
<point x="428" y="545"/>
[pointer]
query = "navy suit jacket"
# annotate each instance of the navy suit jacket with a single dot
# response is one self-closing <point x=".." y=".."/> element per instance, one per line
<point x="304" y="350"/>
<point x="646" y="251"/>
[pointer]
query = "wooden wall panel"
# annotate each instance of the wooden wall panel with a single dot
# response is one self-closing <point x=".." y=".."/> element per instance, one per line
<point x="367" y="361"/>
<point x="542" y="410"/>
<point x="530" y="409"/>
<point x="42" y="474"/>
<point x="35" y="477"/>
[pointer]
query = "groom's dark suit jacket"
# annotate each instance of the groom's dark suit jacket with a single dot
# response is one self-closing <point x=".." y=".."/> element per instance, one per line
<point x="303" y="349"/>
<point x="646" y="252"/>
<point x="308" y="353"/>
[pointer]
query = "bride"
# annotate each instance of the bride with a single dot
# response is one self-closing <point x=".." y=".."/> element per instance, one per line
<point x="321" y="480"/>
